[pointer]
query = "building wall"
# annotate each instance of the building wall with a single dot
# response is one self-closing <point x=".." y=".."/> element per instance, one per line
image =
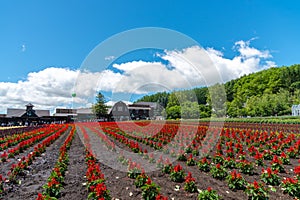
<point x="296" y="110"/>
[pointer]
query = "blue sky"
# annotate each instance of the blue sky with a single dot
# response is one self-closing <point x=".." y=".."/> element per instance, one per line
<point x="37" y="35"/>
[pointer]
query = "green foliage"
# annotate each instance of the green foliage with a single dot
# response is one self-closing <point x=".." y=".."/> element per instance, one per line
<point x="208" y="194"/>
<point x="150" y="190"/>
<point x="257" y="191"/>
<point x="204" y="165"/>
<point x="218" y="172"/>
<point x="291" y="186"/>
<point x="269" y="92"/>
<point x="141" y="180"/>
<point x="270" y="177"/>
<point x="160" y="97"/>
<point x="246" y="167"/>
<point x="189" y="184"/>
<point x="99" y="108"/>
<point x="236" y="181"/>
<point x="177" y="174"/>
<point x="167" y="168"/>
<point x="190" y="110"/>
<point x="174" y="112"/>
<point x="217" y="99"/>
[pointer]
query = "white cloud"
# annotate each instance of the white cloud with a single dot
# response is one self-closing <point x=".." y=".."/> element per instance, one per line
<point x="248" y="60"/>
<point x="187" y="68"/>
<point x="190" y="67"/>
<point x="109" y="58"/>
<point x="23" y="48"/>
<point x="243" y="47"/>
<point x="45" y="89"/>
<point x="140" y="76"/>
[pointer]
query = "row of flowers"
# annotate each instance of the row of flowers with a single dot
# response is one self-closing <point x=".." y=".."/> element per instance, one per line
<point x="104" y="138"/>
<point x="95" y="178"/>
<point x="11" y="140"/>
<point x="17" y="169"/>
<point x="56" y="179"/>
<point x="11" y="132"/>
<point x="23" y="145"/>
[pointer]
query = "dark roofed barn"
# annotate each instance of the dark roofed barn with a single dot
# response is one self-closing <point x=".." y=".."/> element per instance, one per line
<point x="16" y="116"/>
<point x="121" y="111"/>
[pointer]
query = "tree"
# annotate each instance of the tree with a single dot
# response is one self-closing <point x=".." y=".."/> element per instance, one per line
<point x="217" y="100"/>
<point x="190" y="110"/>
<point x="205" y="111"/>
<point x="174" y="112"/>
<point x="173" y="100"/>
<point x="99" y="108"/>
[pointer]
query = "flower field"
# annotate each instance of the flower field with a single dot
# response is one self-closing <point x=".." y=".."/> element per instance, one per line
<point x="151" y="160"/>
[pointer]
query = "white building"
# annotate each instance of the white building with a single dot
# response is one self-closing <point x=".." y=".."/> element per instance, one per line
<point x="296" y="110"/>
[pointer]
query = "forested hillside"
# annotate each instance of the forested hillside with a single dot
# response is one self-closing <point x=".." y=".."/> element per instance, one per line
<point x="269" y="92"/>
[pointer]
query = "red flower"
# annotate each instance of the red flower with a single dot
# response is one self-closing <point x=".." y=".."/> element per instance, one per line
<point x="290" y="180"/>
<point x="149" y="181"/>
<point x="189" y="178"/>
<point x="283" y="155"/>
<point x="218" y="166"/>
<point x="255" y="184"/>
<point x="233" y="175"/>
<point x="178" y="168"/>
<point x="209" y="189"/>
<point x="4" y="155"/>
<point x="297" y="170"/>
<point x="53" y="182"/>
<point x="269" y="171"/>
<point x="276" y="160"/>
<point x="100" y="189"/>
<point x="40" y="197"/>
<point x="160" y="197"/>
<point x="258" y="156"/>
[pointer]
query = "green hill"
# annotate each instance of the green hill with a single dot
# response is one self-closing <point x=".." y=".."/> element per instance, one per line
<point x="269" y="92"/>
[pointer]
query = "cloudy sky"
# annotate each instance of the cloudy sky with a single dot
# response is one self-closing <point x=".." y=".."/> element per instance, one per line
<point x="43" y="46"/>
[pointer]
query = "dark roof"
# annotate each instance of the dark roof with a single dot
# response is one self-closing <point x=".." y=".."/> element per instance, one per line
<point x="30" y="105"/>
<point x="15" y="112"/>
<point x="42" y="113"/>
